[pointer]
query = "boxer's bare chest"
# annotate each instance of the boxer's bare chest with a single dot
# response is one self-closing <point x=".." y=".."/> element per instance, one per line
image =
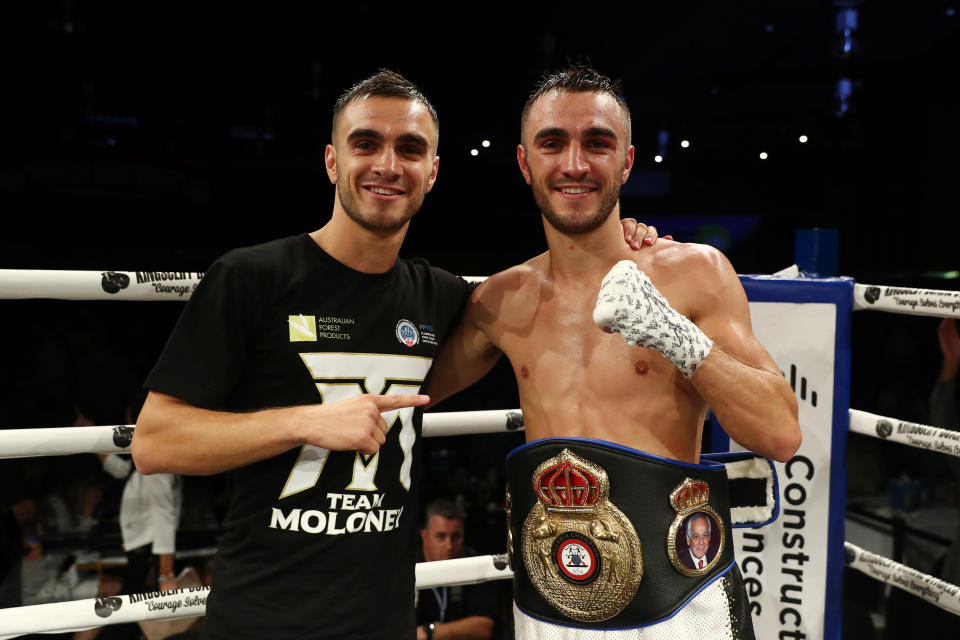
<point x="576" y="380"/>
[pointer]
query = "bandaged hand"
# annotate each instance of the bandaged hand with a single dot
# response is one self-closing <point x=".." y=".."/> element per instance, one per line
<point x="630" y="305"/>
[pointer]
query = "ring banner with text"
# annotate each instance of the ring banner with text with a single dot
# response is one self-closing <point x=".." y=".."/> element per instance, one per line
<point x="793" y="568"/>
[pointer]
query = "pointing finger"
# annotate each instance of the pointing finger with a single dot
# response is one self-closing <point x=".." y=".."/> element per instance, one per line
<point x="388" y="403"/>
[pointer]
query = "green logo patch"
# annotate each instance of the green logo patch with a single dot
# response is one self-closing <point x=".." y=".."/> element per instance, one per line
<point x="302" y="328"/>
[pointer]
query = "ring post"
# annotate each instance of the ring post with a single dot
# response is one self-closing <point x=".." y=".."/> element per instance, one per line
<point x="793" y="567"/>
<point x="815" y="251"/>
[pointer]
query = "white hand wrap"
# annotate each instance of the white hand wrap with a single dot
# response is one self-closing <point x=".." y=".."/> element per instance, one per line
<point x="629" y="304"/>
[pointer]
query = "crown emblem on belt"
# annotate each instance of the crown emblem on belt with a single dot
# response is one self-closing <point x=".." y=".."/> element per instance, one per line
<point x="692" y="494"/>
<point x="570" y="483"/>
<point x="581" y="553"/>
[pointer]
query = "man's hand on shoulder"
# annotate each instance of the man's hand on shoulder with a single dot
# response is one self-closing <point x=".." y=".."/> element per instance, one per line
<point x="637" y="235"/>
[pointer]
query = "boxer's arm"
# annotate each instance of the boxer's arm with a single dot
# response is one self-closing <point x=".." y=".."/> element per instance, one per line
<point x="739" y="380"/>
<point x="174" y="436"/>
<point x="468" y="354"/>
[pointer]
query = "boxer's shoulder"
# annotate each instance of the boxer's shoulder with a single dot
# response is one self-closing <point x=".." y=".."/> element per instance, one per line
<point x="515" y="280"/>
<point x="667" y="254"/>
<point x="671" y="262"/>
<point x="513" y="292"/>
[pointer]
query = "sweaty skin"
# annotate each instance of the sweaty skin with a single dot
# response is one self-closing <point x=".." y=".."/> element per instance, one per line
<point x="576" y="380"/>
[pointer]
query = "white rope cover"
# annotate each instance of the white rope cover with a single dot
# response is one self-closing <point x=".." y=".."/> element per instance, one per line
<point x="461" y="423"/>
<point x="61" y="617"/>
<point x="463" y="571"/>
<point x="18" y="284"/>
<point x="178" y="285"/>
<point x="933" y="590"/>
<point x="63" y="441"/>
<point x="909" y="433"/>
<point x="97" y="285"/>
<point x="915" y="302"/>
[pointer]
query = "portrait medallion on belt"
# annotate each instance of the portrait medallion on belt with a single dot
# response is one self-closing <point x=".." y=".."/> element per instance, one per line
<point x="696" y="536"/>
<point x="581" y="552"/>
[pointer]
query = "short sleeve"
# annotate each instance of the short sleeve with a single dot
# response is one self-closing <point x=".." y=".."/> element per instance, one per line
<point x="206" y="351"/>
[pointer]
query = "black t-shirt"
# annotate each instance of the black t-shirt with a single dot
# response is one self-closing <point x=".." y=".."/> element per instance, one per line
<point x="317" y="543"/>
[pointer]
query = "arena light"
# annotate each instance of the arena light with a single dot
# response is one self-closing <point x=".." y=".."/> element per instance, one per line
<point x="658" y="158"/>
<point x="803" y="139"/>
<point x="474" y="152"/>
<point x="485" y="144"/>
<point x="763" y="155"/>
<point x="685" y="143"/>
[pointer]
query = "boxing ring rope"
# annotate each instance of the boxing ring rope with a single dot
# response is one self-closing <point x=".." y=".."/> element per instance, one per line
<point x="64" y="441"/>
<point x="20" y="284"/>
<point x="61" y="441"/>
<point x="912" y="434"/>
<point x="914" y="302"/>
<point x="76" y="615"/>
<point x="933" y="590"/>
<point x="178" y="285"/>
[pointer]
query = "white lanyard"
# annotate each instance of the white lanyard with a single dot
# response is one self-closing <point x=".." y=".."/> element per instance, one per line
<point x="441" y="601"/>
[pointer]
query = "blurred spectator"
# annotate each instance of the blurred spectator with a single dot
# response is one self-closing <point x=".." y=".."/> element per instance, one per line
<point x="149" y="517"/>
<point x="943" y="400"/>
<point x="458" y="612"/>
<point x="18" y="534"/>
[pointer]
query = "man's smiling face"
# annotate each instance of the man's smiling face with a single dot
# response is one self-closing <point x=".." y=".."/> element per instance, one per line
<point x="383" y="161"/>
<point x="575" y="155"/>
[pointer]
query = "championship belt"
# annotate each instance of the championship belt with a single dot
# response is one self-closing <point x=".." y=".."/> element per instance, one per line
<point x="604" y="536"/>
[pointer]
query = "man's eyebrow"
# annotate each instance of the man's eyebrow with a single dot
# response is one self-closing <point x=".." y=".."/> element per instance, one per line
<point x="551" y="132"/>
<point x="364" y="133"/>
<point x="414" y="138"/>
<point x="600" y="131"/>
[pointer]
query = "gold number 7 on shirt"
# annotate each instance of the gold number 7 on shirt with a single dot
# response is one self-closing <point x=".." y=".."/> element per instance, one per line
<point x="341" y="376"/>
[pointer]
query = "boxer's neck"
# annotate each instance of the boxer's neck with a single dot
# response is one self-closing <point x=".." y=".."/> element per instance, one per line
<point x="585" y="258"/>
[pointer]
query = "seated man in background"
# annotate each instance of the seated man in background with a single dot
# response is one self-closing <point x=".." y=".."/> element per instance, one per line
<point x="461" y="612"/>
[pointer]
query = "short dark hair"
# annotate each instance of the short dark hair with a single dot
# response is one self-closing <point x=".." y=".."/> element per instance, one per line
<point x="577" y="78"/>
<point x="445" y="509"/>
<point x="383" y="84"/>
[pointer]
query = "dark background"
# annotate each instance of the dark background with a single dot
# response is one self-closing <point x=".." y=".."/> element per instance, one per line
<point x="156" y="136"/>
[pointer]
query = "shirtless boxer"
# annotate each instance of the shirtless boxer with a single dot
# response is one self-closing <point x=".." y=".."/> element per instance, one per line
<point x="577" y="381"/>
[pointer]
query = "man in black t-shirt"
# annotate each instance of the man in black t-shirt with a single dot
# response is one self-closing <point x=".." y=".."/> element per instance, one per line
<point x="296" y="366"/>
<point x="458" y="612"/>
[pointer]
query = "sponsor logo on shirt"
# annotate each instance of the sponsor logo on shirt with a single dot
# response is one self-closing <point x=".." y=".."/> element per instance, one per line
<point x="428" y="334"/>
<point x="407" y="333"/>
<point x="304" y="328"/>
